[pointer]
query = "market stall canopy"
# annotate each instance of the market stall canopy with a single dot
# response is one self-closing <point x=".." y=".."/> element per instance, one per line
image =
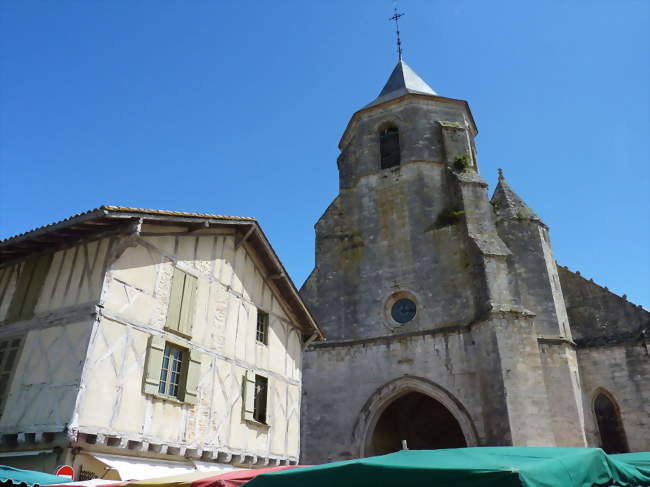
<point x="27" y="478"/>
<point x="85" y="483"/>
<point x="234" y="478"/>
<point x="639" y="459"/>
<point x="468" y="467"/>
<point x="121" y="468"/>
<point x="241" y="477"/>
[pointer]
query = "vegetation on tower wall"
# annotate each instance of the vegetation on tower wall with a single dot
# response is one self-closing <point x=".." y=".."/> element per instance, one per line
<point x="462" y="163"/>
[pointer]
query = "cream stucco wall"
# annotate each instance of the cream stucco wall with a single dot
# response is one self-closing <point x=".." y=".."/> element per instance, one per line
<point x="134" y="304"/>
<point x="43" y="391"/>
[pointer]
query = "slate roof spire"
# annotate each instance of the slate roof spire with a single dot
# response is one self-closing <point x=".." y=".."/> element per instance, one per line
<point x="401" y="81"/>
<point x="508" y="205"/>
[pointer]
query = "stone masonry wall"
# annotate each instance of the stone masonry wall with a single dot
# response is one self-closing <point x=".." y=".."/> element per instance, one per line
<point x="613" y="342"/>
<point x="335" y="412"/>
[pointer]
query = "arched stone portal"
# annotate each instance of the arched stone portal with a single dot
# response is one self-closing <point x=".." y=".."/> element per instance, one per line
<point x="416" y="410"/>
<point x="610" y="426"/>
<point x="422" y="421"/>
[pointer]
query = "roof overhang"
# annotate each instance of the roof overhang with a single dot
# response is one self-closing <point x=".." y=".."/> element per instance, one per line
<point x="110" y="220"/>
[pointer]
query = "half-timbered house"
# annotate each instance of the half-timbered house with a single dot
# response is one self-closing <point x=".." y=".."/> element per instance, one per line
<point x="143" y="342"/>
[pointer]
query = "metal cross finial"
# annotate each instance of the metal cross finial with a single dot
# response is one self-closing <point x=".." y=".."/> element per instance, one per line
<point x="396" y="16"/>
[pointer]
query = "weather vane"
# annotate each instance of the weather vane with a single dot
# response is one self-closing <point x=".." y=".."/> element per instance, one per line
<point x="396" y="16"/>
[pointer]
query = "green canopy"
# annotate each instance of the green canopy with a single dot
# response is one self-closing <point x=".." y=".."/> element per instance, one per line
<point x="468" y="467"/>
<point x="640" y="459"/>
<point x="28" y="478"/>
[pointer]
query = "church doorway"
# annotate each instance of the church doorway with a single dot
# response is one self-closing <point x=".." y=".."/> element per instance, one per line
<point x="610" y="426"/>
<point x="423" y="422"/>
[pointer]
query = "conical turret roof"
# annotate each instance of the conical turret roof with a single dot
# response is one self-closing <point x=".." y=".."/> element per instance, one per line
<point x="402" y="80"/>
<point x="507" y="204"/>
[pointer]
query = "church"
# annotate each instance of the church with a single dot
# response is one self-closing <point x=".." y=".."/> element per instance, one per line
<point x="448" y="321"/>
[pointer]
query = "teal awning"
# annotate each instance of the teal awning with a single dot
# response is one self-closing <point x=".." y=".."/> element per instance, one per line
<point x="28" y="478"/>
<point x="468" y="467"/>
<point x="640" y="459"/>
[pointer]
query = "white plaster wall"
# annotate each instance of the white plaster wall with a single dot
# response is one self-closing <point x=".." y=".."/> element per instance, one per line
<point x="230" y="288"/>
<point x="46" y="381"/>
<point x="75" y="277"/>
<point x="47" y="377"/>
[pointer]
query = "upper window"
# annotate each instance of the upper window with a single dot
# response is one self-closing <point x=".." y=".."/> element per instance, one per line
<point x="262" y="332"/>
<point x="181" y="303"/>
<point x="389" y="147"/>
<point x="9" y="349"/>
<point x="171" y="370"/>
<point x="28" y="287"/>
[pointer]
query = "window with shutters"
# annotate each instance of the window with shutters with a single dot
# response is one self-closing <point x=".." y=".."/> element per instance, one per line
<point x="28" y="288"/>
<point x="172" y="371"/>
<point x="182" y="300"/>
<point x="9" y="351"/>
<point x="262" y="332"/>
<point x="389" y="147"/>
<point x="256" y="398"/>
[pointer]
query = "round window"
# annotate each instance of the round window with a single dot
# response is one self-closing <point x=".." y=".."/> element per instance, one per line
<point x="403" y="310"/>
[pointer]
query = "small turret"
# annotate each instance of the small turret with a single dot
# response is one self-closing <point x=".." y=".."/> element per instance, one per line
<point x="508" y="205"/>
<point x="527" y="237"/>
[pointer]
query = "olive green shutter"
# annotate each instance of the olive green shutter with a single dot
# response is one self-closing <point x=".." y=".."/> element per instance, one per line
<point x="41" y="269"/>
<point x="28" y="288"/>
<point x="187" y="306"/>
<point x="193" y="376"/>
<point x="249" y="395"/>
<point x="175" y="300"/>
<point x="22" y="283"/>
<point x="154" y="365"/>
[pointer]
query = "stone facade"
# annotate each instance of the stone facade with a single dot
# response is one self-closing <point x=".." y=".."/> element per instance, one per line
<point x="489" y="335"/>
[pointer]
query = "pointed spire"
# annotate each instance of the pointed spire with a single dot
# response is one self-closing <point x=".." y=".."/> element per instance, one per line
<point x="507" y="204"/>
<point x="401" y="81"/>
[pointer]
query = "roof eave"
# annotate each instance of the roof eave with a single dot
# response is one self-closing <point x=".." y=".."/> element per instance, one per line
<point x="110" y="216"/>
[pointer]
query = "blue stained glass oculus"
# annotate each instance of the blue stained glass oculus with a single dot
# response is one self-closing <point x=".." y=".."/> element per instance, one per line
<point x="403" y="310"/>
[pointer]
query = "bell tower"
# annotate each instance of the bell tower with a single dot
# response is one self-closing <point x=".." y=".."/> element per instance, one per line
<point x="392" y="253"/>
<point x="420" y="299"/>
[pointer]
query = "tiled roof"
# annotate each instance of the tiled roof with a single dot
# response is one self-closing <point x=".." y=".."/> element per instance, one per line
<point x="107" y="209"/>
<point x="174" y="213"/>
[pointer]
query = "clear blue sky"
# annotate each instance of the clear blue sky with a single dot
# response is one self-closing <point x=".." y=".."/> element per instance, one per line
<point x="237" y="108"/>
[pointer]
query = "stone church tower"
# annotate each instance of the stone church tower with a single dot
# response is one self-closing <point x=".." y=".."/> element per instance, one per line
<point x="445" y="319"/>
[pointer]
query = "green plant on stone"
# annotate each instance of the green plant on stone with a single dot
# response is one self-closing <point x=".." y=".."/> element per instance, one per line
<point x="449" y="216"/>
<point x="462" y="163"/>
<point x="526" y="213"/>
